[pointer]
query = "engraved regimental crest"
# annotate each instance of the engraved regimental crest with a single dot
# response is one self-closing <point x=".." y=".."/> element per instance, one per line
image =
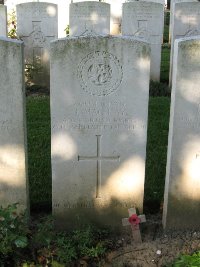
<point x="100" y="73"/>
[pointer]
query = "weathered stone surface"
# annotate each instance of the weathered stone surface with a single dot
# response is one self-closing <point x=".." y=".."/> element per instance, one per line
<point x="89" y="18"/>
<point x="172" y="14"/>
<point x="3" y="21"/>
<point x="182" y="186"/>
<point x="99" y="105"/>
<point x="115" y="14"/>
<point x="63" y="11"/>
<point x="154" y="1"/>
<point x="13" y="173"/>
<point x="37" y="25"/>
<point x="185" y="23"/>
<point x="146" y="20"/>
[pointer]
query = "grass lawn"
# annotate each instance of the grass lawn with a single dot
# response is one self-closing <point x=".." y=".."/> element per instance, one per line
<point x="38" y="128"/>
<point x="157" y="140"/>
<point x="39" y="151"/>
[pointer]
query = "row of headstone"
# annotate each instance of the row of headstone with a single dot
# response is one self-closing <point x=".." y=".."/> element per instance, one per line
<point x="142" y="19"/>
<point x="37" y="26"/>
<point x="99" y="104"/>
<point x="99" y="121"/>
<point x="63" y="10"/>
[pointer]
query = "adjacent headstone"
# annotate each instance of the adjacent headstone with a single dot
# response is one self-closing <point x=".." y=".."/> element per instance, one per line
<point x="182" y="186"/>
<point x="146" y="20"/>
<point x="173" y="2"/>
<point x="63" y="11"/>
<point x="3" y="21"/>
<point x="89" y="18"/>
<point x="185" y="23"/>
<point x="37" y="25"/>
<point x="115" y="14"/>
<point x="99" y="105"/>
<point x="13" y="172"/>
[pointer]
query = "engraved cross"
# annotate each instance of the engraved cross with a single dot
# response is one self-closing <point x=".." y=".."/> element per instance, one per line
<point x="98" y="158"/>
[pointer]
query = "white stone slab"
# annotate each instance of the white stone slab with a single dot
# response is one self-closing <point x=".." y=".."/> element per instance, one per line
<point x="99" y="105"/>
<point x="3" y="20"/>
<point x="173" y="2"/>
<point x="89" y="18"/>
<point x="115" y="14"/>
<point x="37" y="25"/>
<point x="63" y="11"/>
<point x="182" y="186"/>
<point x="13" y="173"/>
<point x="185" y="23"/>
<point x="146" y="20"/>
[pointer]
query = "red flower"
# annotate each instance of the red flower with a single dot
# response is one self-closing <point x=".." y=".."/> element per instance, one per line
<point x="134" y="219"/>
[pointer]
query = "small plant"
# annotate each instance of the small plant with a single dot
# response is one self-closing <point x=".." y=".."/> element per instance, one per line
<point x="13" y="233"/>
<point x="67" y="30"/>
<point x="188" y="260"/>
<point x="12" y="25"/>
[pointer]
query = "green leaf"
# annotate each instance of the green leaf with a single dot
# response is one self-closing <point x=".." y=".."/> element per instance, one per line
<point x="21" y="242"/>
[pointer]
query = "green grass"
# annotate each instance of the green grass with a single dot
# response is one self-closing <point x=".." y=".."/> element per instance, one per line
<point x="165" y="62"/>
<point x="38" y="127"/>
<point x="39" y="154"/>
<point x="157" y="139"/>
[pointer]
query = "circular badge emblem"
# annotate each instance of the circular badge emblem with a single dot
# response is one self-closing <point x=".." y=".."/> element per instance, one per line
<point x="100" y="73"/>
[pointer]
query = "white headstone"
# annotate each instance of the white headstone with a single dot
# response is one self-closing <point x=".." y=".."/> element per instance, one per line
<point x="3" y="21"/>
<point x="185" y="23"/>
<point x="89" y="17"/>
<point x="182" y="186"/>
<point x="13" y="172"/>
<point x="173" y="2"/>
<point x="99" y="105"/>
<point x="146" y="20"/>
<point x="63" y="10"/>
<point x="37" y="25"/>
<point x="115" y="14"/>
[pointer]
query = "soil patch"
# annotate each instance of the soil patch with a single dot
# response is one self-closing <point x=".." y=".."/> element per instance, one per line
<point x="159" y="248"/>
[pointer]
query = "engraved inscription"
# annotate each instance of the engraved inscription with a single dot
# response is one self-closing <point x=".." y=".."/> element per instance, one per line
<point x="92" y="204"/>
<point x="37" y="35"/>
<point x="91" y="116"/>
<point x="98" y="158"/>
<point x="100" y="73"/>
